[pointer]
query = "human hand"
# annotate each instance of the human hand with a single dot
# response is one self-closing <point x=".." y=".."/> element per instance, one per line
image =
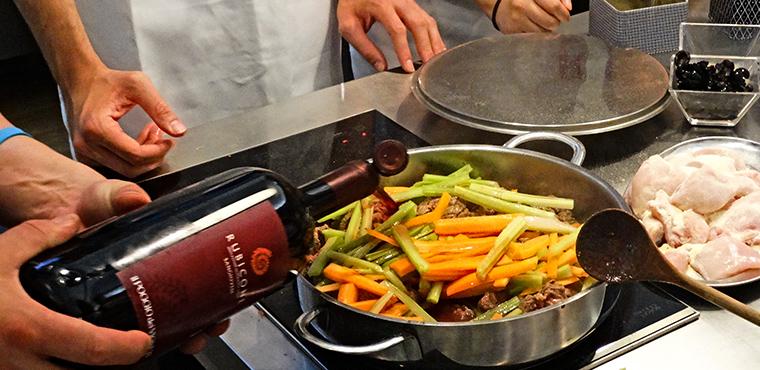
<point x="99" y="101"/>
<point x="355" y="17"/>
<point x="515" y="16"/>
<point x="31" y="334"/>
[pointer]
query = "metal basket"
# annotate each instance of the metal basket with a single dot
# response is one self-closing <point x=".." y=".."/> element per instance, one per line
<point x="736" y="12"/>
<point x="652" y="29"/>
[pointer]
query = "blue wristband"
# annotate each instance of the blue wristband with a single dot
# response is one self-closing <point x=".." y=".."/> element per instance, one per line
<point x="9" y="132"/>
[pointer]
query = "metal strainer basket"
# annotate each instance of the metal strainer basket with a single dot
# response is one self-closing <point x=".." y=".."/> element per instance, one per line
<point x="736" y="12"/>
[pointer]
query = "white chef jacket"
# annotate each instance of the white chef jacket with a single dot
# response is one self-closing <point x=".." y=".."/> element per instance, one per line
<point x="459" y="21"/>
<point x="215" y="58"/>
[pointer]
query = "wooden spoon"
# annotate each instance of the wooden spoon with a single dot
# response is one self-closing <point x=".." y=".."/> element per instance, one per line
<point x="613" y="246"/>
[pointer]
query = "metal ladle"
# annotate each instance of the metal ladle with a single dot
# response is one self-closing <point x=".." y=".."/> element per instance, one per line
<point x="613" y="246"/>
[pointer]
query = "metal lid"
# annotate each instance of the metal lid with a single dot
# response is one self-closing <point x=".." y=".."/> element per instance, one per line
<point x="518" y="83"/>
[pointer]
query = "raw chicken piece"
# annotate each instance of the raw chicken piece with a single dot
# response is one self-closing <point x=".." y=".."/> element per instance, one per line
<point x="680" y="227"/>
<point x="706" y="190"/>
<point x="719" y="159"/>
<point x="725" y="257"/>
<point x="653" y="226"/>
<point x="752" y="175"/>
<point x="678" y="257"/>
<point x="653" y="175"/>
<point x="741" y="220"/>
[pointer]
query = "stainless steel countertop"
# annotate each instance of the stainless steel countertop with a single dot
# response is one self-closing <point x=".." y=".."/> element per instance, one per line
<point x="717" y="340"/>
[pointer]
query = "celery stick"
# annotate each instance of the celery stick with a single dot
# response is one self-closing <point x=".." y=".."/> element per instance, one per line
<point x="564" y="272"/>
<point x="361" y="252"/>
<point x="498" y="204"/>
<point x="430" y="190"/>
<point x="401" y="234"/>
<point x="529" y="199"/>
<point x="435" y="292"/>
<point x="358" y="263"/>
<point x="379" y="253"/>
<point x="391" y="276"/>
<point x="548" y="225"/>
<point x="563" y="244"/>
<point x="340" y="212"/>
<point x="512" y="231"/>
<point x="515" y="312"/>
<point x="462" y="171"/>
<point x="323" y="257"/>
<point x="381" y="302"/>
<point x="364" y="271"/>
<point x="431" y="236"/>
<point x="424" y="286"/>
<point x="405" y="211"/>
<point x="352" y="230"/>
<point x="366" y="220"/>
<point x="332" y="233"/>
<point x="387" y="257"/>
<point x="588" y="283"/>
<point x="420" y="231"/>
<point x="409" y="302"/>
<point x="502" y="308"/>
<point x="525" y="281"/>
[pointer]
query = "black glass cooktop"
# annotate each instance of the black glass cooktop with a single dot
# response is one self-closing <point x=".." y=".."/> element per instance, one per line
<point x="633" y="315"/>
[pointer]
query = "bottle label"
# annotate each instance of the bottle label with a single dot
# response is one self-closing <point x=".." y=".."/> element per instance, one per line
<point x="208" y="276"/>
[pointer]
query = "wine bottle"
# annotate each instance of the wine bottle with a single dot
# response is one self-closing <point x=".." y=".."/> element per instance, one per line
<point x="194" y="257"/>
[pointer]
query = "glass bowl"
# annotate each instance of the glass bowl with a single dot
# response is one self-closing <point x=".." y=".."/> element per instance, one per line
<point x="714" y="43"/>
<point x="717" y="108"/>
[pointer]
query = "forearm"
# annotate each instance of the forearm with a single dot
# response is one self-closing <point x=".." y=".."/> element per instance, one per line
<point x="61" y="36"/>
<point x="36" y="182"/>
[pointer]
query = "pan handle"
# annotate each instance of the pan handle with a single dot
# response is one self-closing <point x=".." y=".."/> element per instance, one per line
<point x="579" y="151"/>
<point x="301" y="327"/>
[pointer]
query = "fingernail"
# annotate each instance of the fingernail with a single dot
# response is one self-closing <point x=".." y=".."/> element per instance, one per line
<point x="66" y="220"/>
<point x="408" y="65"/>
<point x="379" y="66"/>
<point x="177" y="127"/>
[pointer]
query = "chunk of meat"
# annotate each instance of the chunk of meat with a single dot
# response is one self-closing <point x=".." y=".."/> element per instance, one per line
<point x="653" y="226"/>
<point x="427" y="205"/>
<point x="456" y="209"/>
<point x="741" y="220"/>
<point x="725" y="257"/>
<point x="653" y="175"/>
<point x="550" y="294"/>
<point x="453" y="312"/>
<point x="680" y="227"/>
<point x="488" y="301"/>
<point x="678" y="257"/>
<point x="705" y="191"/>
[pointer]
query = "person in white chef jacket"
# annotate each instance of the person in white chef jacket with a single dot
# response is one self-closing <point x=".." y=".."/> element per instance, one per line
<point x="460" y="21"/>
<point x="215" y="58"/>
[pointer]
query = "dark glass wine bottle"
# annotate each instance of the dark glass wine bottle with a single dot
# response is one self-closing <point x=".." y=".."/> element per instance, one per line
<point x="196" y="256"/>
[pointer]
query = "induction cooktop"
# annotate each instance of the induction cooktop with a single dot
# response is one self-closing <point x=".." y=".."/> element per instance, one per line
<point x="633" y="314"/>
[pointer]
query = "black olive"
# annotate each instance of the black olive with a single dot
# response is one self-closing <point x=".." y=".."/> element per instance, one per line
<point x="682" y="57"/>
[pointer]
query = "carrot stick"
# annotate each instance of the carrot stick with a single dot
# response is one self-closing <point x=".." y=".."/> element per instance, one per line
<point x="347" y="293"/>
<point x="452" y="246"/>
<point x="383" y="237"/>
<point x="568" y="257"/>
<point x="567" y="281"/>
<point x="578" y="271"/>
<point x="402" y="266"/>
<point x="368" y="285"/>
<point x="432" y="216"/>
<point x="364" y="305"/>
<point x="501" y="283"/>
<point x="499" y="272"/>
<point x="338" y="273"/>
<point x="513" y="229"/>
<point x="375" y="277"/>
<point x="551" y="267"/>
<point x="443" y="276"/>
<point x="527" y="249"/>
<point x="390" y="190"/>
<point x="477" y="290"/>
<point x="329" y="287"/>
<point x="462" y="264"/>
<point x="397" y="309"/>
<point x="472" y="225"/>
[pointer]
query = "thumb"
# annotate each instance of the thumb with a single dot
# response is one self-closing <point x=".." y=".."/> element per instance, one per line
<point x="30" y="238"/>
<point x="568" y="4"/>
<point x="109" y="198"/>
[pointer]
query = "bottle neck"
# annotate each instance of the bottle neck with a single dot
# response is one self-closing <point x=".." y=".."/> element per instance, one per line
<point x="352" y="181"/>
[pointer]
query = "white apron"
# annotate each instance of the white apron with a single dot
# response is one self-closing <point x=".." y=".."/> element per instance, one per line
<point x="459" y="21"/>
<point x="212" y="59"/>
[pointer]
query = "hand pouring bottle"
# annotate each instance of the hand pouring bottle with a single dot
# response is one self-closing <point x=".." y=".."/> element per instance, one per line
<point x="194" y="257"/>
